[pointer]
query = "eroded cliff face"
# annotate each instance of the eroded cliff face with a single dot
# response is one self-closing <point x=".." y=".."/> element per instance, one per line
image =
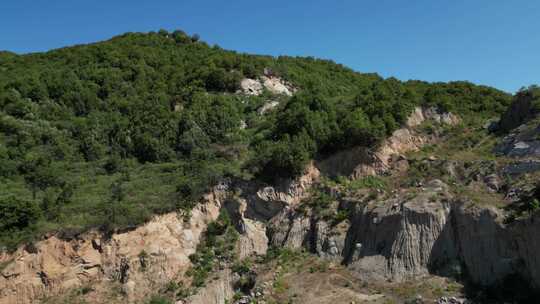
<point x="420" y="230"/>
<point x="407" y="234"/>
<point x="219" y="290"/>
<point x="140" y="260"/>
<point x="360" y="162"/>
<point x="147" y="258"/>
<point x="415" y="234"/>
<point x="401" y="238"/>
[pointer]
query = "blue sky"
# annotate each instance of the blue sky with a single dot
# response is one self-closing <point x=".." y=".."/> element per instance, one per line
<point x="491" y="42"/>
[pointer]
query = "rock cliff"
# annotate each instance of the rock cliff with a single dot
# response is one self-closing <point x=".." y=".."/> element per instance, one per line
<point x="411" y="232"/>
<point x="140" y="260"/>
<point x="431" y="232"/>
<point x="360" y="162"/>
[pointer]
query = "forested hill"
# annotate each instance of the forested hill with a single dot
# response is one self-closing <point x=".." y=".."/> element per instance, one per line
<point x="107" y="134"/>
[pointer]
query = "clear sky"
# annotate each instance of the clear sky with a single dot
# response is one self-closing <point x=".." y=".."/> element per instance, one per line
<point x="491" y="42"/>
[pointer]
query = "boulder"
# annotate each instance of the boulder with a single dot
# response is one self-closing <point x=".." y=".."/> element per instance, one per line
<point x="276" y="86"/>
<point x="251" y="87"/>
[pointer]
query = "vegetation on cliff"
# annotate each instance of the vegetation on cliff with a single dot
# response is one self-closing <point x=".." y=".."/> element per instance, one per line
<point x="108" y="134"/>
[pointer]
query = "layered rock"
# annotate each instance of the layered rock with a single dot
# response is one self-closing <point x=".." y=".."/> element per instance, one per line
<point x="414" y="235"/>
<point x="521" y="126"/>
<point x="401" y="238"/>
<point x="416" y="232"/>
<point x="522" y="143"/>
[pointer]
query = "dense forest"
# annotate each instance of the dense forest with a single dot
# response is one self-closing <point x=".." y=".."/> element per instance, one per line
<point x="105" y="135"/>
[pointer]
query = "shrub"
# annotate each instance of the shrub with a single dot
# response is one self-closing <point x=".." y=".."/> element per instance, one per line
<point x="159" y="300"/>
<point x="218" y="246"/>
<point x="19" y="219"/>
<point x="534" y="205"/>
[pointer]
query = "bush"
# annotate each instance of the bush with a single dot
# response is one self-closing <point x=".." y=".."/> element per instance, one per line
<point x="534" y="205"/>
<point x="218" y="246"/>
<point x="159" y="300"/>
<point x="370" y="182"/>
<point x="19" y="219"/>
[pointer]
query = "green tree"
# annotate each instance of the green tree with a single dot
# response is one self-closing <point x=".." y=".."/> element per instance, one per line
<point x="19" y="219"/>
<point x="39" y="173"/>
<point x="113" y="209"/>
<point x="357" y="128"/>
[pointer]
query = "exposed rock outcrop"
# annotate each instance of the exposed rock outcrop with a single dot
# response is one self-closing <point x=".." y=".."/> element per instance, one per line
<point x="265" y="201"/>
<point x="218" y="291"/>
<point x="152" y="255"/>
<point x="420" y="115"/>
<point x="277" y="86"/>
<point x="401" y="238"/>
<point x="142" y="259"/>
<point x="522" y="142"/>
<point x="413" y="232"/>
<point x="359" y="162"/>
<point x="521" y="167"/>
<point x="521" y="123"/>
<point x="273" y="84"/>
<point x="430" y="232"/>
<point x="267" y="107"/>
<point x="520" y="111"/>
<point x="251" y="86"/>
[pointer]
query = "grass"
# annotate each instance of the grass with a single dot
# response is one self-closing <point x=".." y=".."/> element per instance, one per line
<point x="75" y="296"/>
<point x="369" y="182"/>
<point x="280" y="285"/>
<point x="322" y="204"/>
<point x="479" y="195"/>
<point x="148" y="189"/>
<point x="432" y="288"/>
<point x="465" y="142"/>
<point x="159" y="300"/>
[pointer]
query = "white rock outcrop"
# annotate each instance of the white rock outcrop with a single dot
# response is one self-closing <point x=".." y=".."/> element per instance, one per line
<point x="273" y="84"/>
<point x="276" y="85"/>
<point x="251" y="86"/>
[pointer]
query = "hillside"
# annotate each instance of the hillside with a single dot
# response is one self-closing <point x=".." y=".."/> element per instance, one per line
<point x="108" y="134"/>
<point x="186" y="172"/>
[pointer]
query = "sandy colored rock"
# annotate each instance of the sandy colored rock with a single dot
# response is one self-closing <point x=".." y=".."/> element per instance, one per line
<point x="273" y="84"/>
<point x="59" y="265"/>
<point x="276" y="85"/>
<point x="218" y="291"/>
<point x="359" y="162"/>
